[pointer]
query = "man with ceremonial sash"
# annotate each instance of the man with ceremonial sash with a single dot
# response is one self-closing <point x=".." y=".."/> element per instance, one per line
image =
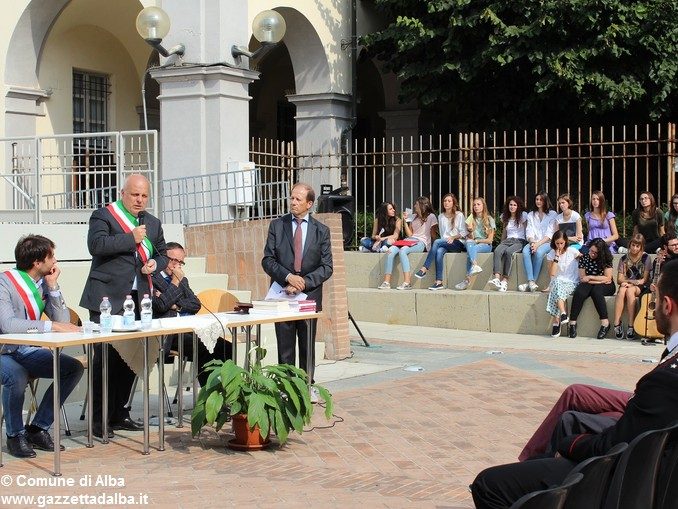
<point x="127" y="246"/>
<point x="25" y="293"/>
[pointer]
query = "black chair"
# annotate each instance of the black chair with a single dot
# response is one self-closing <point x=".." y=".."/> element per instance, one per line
<point x="634" y="481"/>
<point x="667" y="487"/>
<point x="597" y="471"/>
<point x="552" y="498"/>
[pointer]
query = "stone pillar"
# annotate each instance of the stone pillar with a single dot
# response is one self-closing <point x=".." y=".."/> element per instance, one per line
<point x="321" y="119"/>
<point x="401" y="135"/>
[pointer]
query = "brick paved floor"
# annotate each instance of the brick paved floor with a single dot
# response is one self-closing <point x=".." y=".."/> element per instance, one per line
<point x="399" y="438"/>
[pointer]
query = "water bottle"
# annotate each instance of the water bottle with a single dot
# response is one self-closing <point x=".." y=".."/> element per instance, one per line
<point x="128" y="313"/>
<point x="105" y="319"/>
<point x="146" y="312"/>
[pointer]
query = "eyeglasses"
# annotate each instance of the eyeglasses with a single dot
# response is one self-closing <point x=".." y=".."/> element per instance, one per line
<point x="182" y="263"/>
<point x="675" y="203"/>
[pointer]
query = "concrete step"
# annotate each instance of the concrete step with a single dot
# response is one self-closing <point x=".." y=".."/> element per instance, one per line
<point x="473" y="310"/>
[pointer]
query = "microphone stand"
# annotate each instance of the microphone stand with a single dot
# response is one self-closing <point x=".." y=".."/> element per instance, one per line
<point x="362" y="336"/>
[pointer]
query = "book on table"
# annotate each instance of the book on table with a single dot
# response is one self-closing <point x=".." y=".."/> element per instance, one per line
<point x="271" y="305"/>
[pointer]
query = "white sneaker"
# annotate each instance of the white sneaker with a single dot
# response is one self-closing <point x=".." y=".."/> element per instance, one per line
<point x="363" y="249"/>
<point x="463" y="285"/>
<point x="383" y="249"/>
<point x="622" y="250"/>
<point x="533" y="286"/>
<point x="494" y="281"/>
<point x="404" y="286"/>
<point x="476" y="269"/>
<point x="384" y="286"/>
<point x="523" y="288"/>
<point x="503" y="286"/>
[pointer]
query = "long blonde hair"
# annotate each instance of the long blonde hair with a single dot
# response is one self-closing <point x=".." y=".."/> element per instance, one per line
<point x="484" y="216"/>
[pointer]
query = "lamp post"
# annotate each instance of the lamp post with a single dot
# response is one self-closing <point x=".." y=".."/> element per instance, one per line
<point x="153" y="25"/>
<point x="268" y="27"/>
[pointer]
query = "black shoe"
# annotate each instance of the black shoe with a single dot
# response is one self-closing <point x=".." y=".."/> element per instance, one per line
<point x="98" y="432"/>
<point x="19" y="447"/>
<point x="42" y="440"/>
<point x="127" y="424"/>
<point x="572" y="330"/>
<point x="602" y="332"/>
<point x="564" y="318"/>
<point x="555" y="331"/>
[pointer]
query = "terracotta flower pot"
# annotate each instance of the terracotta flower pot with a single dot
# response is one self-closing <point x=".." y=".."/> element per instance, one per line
<point x="244" y="438"/>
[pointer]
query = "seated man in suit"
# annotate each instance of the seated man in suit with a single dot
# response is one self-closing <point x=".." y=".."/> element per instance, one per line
<point x="173" y="296"/>
<point x="25" y="293"/>
<point x="580" y="435"/>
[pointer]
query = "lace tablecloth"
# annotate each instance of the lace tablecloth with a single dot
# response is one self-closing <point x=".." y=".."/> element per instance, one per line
<point x="207" y="328"/>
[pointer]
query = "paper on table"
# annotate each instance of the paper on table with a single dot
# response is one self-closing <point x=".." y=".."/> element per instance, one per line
<point x="278" y="292"/>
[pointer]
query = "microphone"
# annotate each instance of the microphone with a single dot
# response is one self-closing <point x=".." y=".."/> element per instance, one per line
<point x="140" y="217"/>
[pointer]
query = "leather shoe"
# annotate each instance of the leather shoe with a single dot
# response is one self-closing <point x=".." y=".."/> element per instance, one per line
<point x="602" y="332"/>
<point x="42" y="440"/>
<point x="98" y="432"/>
<point x="19" y="447"/>
<point x="127" y="424"/>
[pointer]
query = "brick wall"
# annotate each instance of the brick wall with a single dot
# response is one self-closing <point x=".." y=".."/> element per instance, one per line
<point x="236" y="249"/>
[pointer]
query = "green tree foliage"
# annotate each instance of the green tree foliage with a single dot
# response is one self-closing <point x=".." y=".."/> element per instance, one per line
<point x="534" y="62"/>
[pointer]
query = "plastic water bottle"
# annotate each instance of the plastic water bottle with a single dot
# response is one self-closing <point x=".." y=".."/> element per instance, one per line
<point x="128" y="313"/>
<point x="105" y="319"/>
<point x="146" y="312"/>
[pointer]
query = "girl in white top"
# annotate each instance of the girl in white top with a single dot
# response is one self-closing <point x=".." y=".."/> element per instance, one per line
<point x="564" y="279"/>
<point x="453" y="232"/>
<point x="566" y="216"/>
<point x="540" y="226"/>
<point x="513" y="240"/>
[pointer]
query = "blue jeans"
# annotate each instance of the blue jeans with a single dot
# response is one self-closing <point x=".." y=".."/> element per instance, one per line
<point x="473" y="248"/>
<point x="419" y="247"/>
<point x="33" y="362"/>
<point x="533" y="262"/>
<point x="438" y="250"/>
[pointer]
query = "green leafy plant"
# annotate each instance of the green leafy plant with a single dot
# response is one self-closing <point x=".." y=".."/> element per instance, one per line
<point x="275" y="397"/>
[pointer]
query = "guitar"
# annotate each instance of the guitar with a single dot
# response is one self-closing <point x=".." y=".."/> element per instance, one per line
<point x="644" y="323"/>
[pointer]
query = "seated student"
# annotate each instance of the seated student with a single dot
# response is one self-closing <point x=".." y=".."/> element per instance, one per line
<point x="481" y="229"/>
<point x="385" y="229"/>
<point x="569" y="221"/>
<point x="452" y="239"/>
<point x="600" y="222"/>
<point x="513" y="240"/>
<point x="25" y="293"/>
<point x="633" y="276"/>
<point x="539" y="231"/>
<point x="419" y="232"/>
<point x="648" y="220"/>
<point x="595" y="281"/>
<point x="671" y="216"/>
<point x="588" y="421"/>
<point x="564" y="279"/>
<point x="172" y="297"/>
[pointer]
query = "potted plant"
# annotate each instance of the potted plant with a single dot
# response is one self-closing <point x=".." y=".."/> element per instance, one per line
<point x="262" y="400"/>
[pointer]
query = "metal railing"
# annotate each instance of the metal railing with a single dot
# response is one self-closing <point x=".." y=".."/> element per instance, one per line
<point x="64" y="178"/>
<point x="227" y="196"/>
<point x="620" y="161"/>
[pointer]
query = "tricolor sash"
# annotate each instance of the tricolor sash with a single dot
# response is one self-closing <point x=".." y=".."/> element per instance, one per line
<point x="128" y="222"/>
<point x="28" y="291"/>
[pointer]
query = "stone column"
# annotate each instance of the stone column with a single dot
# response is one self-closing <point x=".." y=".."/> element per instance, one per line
<point x="321" y="119"/>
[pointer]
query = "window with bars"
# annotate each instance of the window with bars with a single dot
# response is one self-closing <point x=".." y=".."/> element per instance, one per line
<point x="90" y="102"/>
<point x="93" y="157"/>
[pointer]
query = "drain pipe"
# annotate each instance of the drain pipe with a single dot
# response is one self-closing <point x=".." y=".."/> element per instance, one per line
<point x="346" y="139"/>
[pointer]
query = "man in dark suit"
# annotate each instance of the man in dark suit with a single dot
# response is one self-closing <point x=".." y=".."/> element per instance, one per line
<point x="173" y="297"/>
<point x="654" y="405"/>
<point x="25" y="293"/>
<point x="298" y="256"/>
<point x="127" y="246"/>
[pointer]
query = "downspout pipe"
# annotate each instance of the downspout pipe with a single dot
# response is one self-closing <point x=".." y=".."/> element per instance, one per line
<point x="346" y="133"/>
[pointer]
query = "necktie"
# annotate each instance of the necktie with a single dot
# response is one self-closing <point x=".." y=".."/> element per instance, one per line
<point x="298" y="247"/>
<point x="168" y="279"/>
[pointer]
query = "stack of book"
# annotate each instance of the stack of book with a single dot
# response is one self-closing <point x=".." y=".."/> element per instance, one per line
<point x="304" y="306"/>
<point x="270" y="306"/>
